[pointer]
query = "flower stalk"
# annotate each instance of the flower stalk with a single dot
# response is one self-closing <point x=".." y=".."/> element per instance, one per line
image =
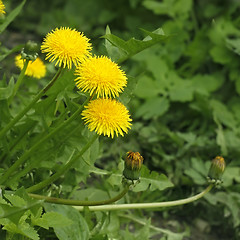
<point x="148" y="205"/>
<point x="79" y="202"/>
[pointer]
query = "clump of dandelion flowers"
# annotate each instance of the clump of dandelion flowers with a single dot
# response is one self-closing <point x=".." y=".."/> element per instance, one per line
<point x="67" y="46"/>
<point x="101" y="76"/>
<point x="36" y="69"/>
<point x="2" y="7"/>
<point x="107" y="116"/>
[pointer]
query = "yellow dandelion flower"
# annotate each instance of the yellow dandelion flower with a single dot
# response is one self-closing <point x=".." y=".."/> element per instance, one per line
<point x="107" y="117"/>
<point x="2" y="7"/>
<point x="67" y="46"/>
<point x="36" y="69"/>
<point x="100" y="75"/>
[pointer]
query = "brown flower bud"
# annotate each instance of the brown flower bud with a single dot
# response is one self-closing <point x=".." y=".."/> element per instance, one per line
<point x="133" y="164"/>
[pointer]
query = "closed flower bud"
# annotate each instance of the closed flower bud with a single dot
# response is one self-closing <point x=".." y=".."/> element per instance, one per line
<point x="30" y="51"/>
<point x="133" y="164"/>
<point x="216" y="170"/>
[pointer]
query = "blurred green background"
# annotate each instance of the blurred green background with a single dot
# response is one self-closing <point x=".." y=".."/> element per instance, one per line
<point x="184" y="101"/>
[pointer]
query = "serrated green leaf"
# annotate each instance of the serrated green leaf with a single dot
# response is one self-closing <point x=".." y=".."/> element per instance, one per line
<point x="23" y="228"/>
<point x="153" y="179"/>
<point x="133" y="46"/>
<point x="16" y="201"/>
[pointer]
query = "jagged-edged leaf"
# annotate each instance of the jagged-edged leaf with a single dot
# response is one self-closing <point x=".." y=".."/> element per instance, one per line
<point x="153" y="179"/>
<point x="22" y="228"/>
<point x="16" y="201"/>
<point x="19" y="203"/>
<point x="127" y="49"/>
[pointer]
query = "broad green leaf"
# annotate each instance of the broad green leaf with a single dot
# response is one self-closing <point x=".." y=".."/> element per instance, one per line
<point x="196" y="176"/>
<point x="221" y="141"/>
<point x="78" y="230"/>
<point x="234" y="45"/>
<point x="152" y="180"/>
<point x="169" y="7"/>
<point x="221" y="54"/>
<point x="153" y="108"/>
<point x="5" y="93"/>
<point x="52" y="219"/>
<point x="164" y="7"/>
<point x="205" y="84"/>
<point x="230" y="175"/>
<point x="223" y="114"/>
<point x="181" y="91"/>
<point x="133" y="46"/>
<point x="11" y="16"/>
<point x="144" y="233"/>
<point x="146" y="87"/>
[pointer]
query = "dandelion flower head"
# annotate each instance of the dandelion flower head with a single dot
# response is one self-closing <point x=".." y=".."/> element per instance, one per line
<point x="67" y="46"/>
<point x="100" y="75"/>
<point x="107" y="117"/>
<point x="36" y="69"/>
<point x="2" y="7"/>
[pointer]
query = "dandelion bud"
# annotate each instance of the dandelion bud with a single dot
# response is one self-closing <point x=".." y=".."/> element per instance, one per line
<point x="216" y="170"/>
<point x="133" y="164"/>
<point x="29" y="52"/>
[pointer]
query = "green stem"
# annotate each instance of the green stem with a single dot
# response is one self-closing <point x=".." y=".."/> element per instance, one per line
<point x="33" y="164"/>
<point x="19" y="80"/>
<point x="63" y="169"/>
<point x="148" y="205"/>
<point x="79" y="202"/>
<point x="28" y="153"/>
<point x="15" y="143"/>
<point x="30" y="105"/>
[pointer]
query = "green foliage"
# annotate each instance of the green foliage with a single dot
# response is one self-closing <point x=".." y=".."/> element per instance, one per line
<point x="74" y="228"/>
<point x="11" y="16"/>
<point x="183" y="94"/>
